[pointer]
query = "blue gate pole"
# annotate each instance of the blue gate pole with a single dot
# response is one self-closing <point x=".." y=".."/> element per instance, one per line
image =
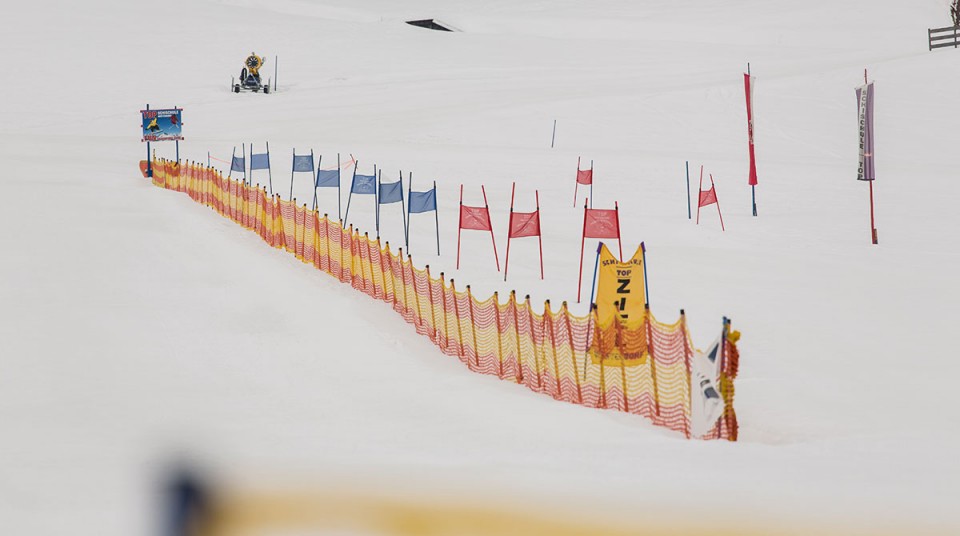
<point x="689" y="214"/>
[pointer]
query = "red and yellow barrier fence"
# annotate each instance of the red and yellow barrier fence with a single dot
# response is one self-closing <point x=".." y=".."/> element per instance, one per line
<point x="553" y="352"/>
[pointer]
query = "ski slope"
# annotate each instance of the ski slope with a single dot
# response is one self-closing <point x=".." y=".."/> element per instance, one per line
<point x="138" y="327"/>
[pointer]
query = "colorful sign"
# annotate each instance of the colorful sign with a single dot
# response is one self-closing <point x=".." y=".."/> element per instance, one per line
<point x="162" y="125"/>
<point x="621" y="297"/>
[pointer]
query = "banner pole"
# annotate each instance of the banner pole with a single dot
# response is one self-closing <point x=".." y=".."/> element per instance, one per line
<point x="319" y="161"/>
<point x="350" y="195"/>
<point x="292" y="166"/>
<point x="403" y="210"/>
<point x="873" y="227"/>
<point x="583" y="240"/>
<point x="554" y="136"/>
<point x="646" y="285"/>
<point x="339" y="217"/>
<point x="149" y="161"/>
<point x="232" y="156"/>
<point x="591" y="184"/>
<point x="596" y="265"/>
<point x="616" y="212"/>
<point x="406" y="223"/>
<point x="753" y="187"/>
<point x="689" y="213"/>
<point x="436" y="215"/>
<point x="377" y="203"/>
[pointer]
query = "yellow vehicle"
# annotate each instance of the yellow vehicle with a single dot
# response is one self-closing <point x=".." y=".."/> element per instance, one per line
<point x="250" y="76"/>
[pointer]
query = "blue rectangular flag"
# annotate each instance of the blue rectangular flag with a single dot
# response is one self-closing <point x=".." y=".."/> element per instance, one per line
<point x="328" y="178"/>
<point x="238" y="164"/>
<point x="303" y="163"/>
<point x="391" y="192"/>
<point x="423" y="201"/>
<point x="260" y="161"/>
<point x="364" y="184"/>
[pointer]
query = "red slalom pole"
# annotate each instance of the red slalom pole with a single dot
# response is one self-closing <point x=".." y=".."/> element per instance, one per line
<point x="714" y="188"/>
<point x="699" y="189"/>
<point x="506" y="264"/>
<point x="873" y="226"/>
<point x="460" y="226"/>
<point x="490" y="223"/>
<point x="583" y="239"/>
<point x="539" y="230"/>
<point x="577" y="183"/>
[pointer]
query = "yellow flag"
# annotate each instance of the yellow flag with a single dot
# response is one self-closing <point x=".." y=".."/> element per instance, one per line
<point x="620" y="289"/>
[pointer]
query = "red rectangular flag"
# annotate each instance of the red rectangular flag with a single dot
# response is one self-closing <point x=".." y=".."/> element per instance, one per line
<point x="748" y="89"/>
<point x="708" y="197"/>
<point x="524" y="224"/>
<point x="475" y="218"/>
<point x="601" y="223"/>
<point x="585" y="176"/>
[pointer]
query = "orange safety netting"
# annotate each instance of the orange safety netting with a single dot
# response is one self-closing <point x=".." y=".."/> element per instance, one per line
<point x="554" y="352"/>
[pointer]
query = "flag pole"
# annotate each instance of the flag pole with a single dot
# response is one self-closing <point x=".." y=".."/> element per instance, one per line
<point x="436" y="215"/>
<point x="753" y="187"/>
<point x="616" y="212"/>
<point x="576" y="186"/>
<point x="406" y="223"/>
<point x="292" y="167"/>
<point x="338" y="183"/>
<point x="646" y="285"/>
<point x="536" y="194"/>
<point x="591" y="183"/>
<point x="377" y="207"/>
<point x="459" y="226"/>
<point x="403" y="209"/>
<point x="319" y="161"/>
<point x="269" y="167"/>
<point x="596" y="265"/>
<point x="490" y="222"/>
<point x="583" y="240"/>
<point x="873" y="225"/>
<point x="717" y="198"/>
<point x="699" y="189"/>
<point x="506" y="263"/>
<point x="350" y="195"/>
<point x="689" y="214"/>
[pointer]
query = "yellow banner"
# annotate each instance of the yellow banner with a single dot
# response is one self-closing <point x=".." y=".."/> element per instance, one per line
<point x="621" y="297"/>
<point x="620" y="286"/>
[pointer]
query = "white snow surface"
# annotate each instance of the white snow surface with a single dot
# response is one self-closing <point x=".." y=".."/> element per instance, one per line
<point x="137" y="326"/>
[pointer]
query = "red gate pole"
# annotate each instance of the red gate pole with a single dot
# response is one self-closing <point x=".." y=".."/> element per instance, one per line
<point x="583" y="240"/>
<point x="490" y="223"/>
<point x="459" y="226"/>
<point x="506" y="264"/>
<point x="577" y="184"/>
<point x="539" y="231"/>
<point x="699" y="189"/>
<point x="717" y="198"/>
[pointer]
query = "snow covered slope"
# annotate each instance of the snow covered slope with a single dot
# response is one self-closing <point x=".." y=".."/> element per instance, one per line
<point x="136" y="324"/>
